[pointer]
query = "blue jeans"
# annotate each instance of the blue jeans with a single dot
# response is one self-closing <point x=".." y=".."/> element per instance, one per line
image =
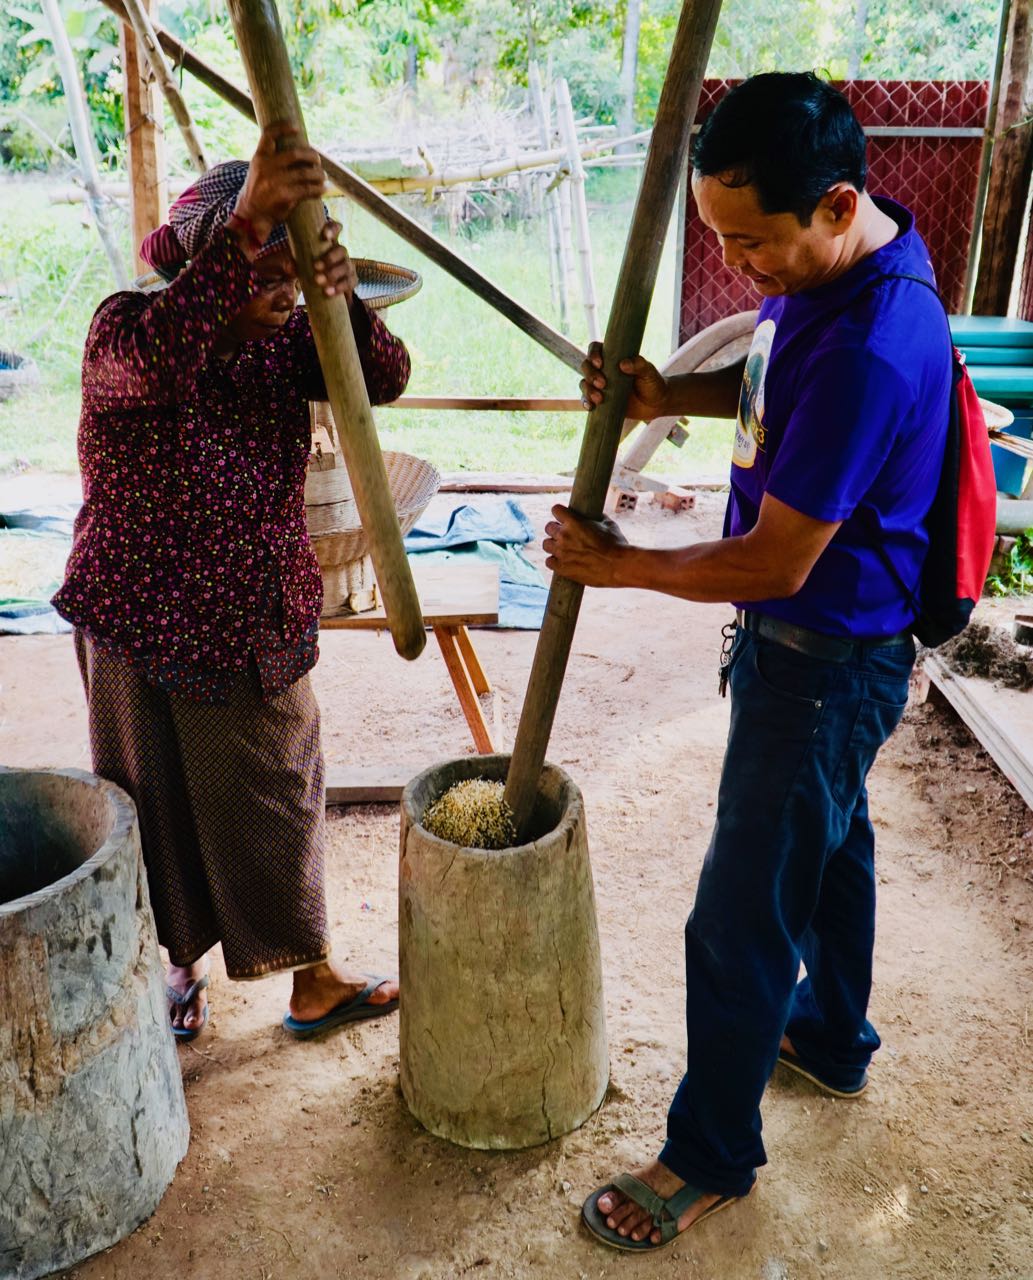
<point x="789" y="877"/>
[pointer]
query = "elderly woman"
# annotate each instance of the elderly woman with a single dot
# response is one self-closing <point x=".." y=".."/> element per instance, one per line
<point x="195" y="593"/>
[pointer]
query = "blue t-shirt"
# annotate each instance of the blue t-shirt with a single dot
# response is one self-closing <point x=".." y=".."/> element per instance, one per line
<point x="843" y="416"/>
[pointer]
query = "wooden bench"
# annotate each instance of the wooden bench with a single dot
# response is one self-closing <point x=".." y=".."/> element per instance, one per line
<point x="454" y="596"/>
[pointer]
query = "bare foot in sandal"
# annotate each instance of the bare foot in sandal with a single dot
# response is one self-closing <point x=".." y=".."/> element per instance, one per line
<point x="630" y="1220"/>
<point x="188" y="1016"/>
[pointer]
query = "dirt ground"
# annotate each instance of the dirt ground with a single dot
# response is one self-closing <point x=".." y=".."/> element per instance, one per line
<point x="304" y="1161"/>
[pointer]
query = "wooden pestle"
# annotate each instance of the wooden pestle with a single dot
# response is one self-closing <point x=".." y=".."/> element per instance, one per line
<point x="665" y="164"/>
<point x="264" y="54"/>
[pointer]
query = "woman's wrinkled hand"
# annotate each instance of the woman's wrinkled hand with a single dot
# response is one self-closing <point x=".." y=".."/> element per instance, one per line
<point x="334" y="270"/>
<point x="277" y="181"/>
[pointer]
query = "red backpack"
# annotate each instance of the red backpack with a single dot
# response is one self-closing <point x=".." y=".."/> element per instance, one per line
<point x="962" y="520"/>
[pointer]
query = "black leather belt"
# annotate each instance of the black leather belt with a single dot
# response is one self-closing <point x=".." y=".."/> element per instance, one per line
<point x="813" y="643"/>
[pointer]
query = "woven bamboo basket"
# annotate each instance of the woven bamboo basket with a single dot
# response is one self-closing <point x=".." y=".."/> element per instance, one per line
<point x="335" y="529"/>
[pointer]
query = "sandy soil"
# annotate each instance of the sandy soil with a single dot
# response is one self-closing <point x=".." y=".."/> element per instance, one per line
<point x="304" y="1160"/>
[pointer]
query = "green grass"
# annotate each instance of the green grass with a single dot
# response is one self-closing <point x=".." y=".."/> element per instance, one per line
<point x="459" y="345"/>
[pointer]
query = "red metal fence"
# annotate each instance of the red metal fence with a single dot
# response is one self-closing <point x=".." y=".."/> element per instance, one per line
<point x="931" y="172"/>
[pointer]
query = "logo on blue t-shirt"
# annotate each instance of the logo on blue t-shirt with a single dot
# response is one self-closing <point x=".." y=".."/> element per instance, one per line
<point x="749" y="425"/>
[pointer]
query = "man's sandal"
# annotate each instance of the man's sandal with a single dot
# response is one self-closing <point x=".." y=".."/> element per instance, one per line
<point x="794" y="1063"/>
<point x="184" y="998"/>
<point x="665" y="1213"/>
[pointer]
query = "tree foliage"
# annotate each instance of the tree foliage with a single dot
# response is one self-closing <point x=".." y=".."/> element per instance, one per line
<point x="343" y="49"/>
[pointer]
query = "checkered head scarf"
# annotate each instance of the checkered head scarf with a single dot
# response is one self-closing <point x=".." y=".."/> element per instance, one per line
<point x="201" y="211"/>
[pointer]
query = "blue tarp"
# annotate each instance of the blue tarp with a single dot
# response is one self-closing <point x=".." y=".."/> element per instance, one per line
<point x="25" y="606"/>
<point x="492" y="532"/>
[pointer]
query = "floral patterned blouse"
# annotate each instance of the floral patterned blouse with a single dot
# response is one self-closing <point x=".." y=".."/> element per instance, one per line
<point x="191" y="556"/>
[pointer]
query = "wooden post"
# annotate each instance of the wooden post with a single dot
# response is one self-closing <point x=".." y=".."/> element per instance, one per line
<point x="82" y="136"/>
<point x="262" y="49"/>
<point x="382" y="209"/>
<point x="983" y="177"/>
<point x="568" y="134"/>
<point x="145" y="144"/>
<point x="1010" y="167"/>
<point x="667" y="158"/>
<point x="148" y="41"/>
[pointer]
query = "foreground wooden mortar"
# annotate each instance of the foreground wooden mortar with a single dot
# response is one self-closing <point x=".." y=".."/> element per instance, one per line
<point x="92" y="1117"/>
<point x="503" y="1030"/>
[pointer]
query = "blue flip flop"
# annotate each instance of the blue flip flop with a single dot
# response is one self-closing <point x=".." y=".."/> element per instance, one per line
<point x="664" y="1213"/>
<point x="186" y="997"/>
<point x="357" y="1009"/>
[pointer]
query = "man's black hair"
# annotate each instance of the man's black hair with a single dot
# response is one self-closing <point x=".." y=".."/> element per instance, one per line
<point x="789" y="134"/>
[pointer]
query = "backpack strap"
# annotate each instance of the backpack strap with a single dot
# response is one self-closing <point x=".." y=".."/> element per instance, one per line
<point x="880" y="550"/>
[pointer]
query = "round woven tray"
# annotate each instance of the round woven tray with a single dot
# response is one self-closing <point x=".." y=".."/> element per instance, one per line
<point x="381" y="284"/>
<point x="333" y="519"/>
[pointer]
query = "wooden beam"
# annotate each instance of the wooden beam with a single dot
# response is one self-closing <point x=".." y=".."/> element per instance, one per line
<point x="260" y="40"/>
<point x="1011" y="166"/>
<point x="381" y="208"/>
<point x="668" y="154"/>
<point x="145" y="143"/>
<point x="508" y="404"/>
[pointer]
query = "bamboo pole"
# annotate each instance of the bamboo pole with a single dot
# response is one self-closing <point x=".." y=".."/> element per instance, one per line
<point x="148" y="42"/>
<point x="557" y="264"/>
<point x="264" y="54"/>
<point x="568" y="133"/>
<point x="416" y="182"/>
<point x="667" y="159"/>
<point x="373" y="202"/>
<point x="563" y="204"/>
<point x="82" y="137"/>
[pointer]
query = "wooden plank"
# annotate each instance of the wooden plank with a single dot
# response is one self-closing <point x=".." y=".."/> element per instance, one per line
<point x="468" y="700"/>
<point x="145" y="143"/>
<point x="449" y="598"/>
<point x="367" y="785"/>
<point x="1001" y="719"/>
<point x="1012" y="444"/>
<point x="536" y="404"/>
<point x="493" y="482"/>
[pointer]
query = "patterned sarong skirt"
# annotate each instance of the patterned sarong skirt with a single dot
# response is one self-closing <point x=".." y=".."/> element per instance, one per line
<point x="231" y="805"/>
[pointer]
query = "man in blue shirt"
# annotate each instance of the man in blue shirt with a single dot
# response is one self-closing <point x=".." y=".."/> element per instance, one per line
<point x="841" y="412"/>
